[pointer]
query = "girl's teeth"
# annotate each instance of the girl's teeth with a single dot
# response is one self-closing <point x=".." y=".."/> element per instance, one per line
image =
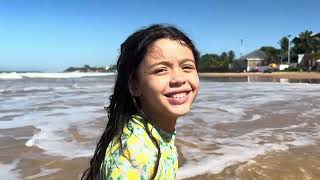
<point x="180" y="95"/>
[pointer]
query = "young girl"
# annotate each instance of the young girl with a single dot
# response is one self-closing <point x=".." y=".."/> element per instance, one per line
<point x="157" y="82"/>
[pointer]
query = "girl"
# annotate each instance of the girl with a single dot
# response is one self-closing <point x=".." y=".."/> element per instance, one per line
<point x="157" y="82"/>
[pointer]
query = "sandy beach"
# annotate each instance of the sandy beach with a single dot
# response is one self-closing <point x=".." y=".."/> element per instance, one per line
<point x="288" y="75"/>
<point x="241" y="126"/>
<point x="301" y="163"/>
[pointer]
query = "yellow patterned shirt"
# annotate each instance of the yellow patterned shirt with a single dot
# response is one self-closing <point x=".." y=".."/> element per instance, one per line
<point x="138" y="155"/>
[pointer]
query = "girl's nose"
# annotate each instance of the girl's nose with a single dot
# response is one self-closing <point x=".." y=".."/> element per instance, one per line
<point x="177" y="80"/>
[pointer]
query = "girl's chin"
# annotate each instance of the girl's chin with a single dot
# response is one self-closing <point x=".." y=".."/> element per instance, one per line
<point x="179" y="111"/>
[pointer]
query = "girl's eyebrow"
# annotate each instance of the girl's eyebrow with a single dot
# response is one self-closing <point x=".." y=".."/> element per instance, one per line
<point x="164" y="62"/>
<point x="187" y="60"/>
<point x="167" y="62"/>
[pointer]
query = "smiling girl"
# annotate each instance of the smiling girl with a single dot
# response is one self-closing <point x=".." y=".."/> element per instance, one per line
<point x="157" y="82"/>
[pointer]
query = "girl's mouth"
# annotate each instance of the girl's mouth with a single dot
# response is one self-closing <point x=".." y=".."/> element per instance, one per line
<point x="178" y="98"/>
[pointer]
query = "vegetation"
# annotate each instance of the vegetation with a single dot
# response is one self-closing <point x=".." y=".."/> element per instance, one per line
<point x="306" y="43"/>
<point x="293" y="69"/>
<point x="215" y="62"/>
<point x="272" y="53"/>
<point x="87" y="68"/>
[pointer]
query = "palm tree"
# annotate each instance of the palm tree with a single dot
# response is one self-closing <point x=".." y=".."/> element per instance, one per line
<point x="284" y="44"/>
<point x="306" y="43"/>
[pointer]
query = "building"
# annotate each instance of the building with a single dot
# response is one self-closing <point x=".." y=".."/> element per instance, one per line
<point x="309" y="61"/>
<point x="249" y="62"/>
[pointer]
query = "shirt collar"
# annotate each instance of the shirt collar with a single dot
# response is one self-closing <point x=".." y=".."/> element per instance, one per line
<point x="161" y="135"/>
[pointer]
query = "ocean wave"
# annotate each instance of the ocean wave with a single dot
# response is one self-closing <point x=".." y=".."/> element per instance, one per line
<point x="14" y="75"/>
<point x="34" y="89"/>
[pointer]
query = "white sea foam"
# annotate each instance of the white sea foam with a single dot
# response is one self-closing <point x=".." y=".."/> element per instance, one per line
<point x="310" y="113"/>
<point x="237" y="149"/>
<point x="8" y="172"/>
<point x="44" y="172"/>
<point x="229" y="103"/>
<point x="5" y="114"/>
<point x="15" y="75"/>
<point x="55" y="105"/>
<point x="255" y="117"/>
<point x="49" y="137"/>
<point x="62" y="88"/>
<point x="12" y="75"/>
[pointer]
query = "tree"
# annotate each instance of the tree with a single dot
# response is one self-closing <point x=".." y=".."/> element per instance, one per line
<point x="231" y="56"/>
<point x="306" y="43"/>
<point x="207" y="62"/>
<point x="284" y="43"/>
<point x="271" y="52"/>
<point x="215" y="62"/>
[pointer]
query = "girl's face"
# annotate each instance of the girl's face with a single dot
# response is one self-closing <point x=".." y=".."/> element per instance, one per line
<point x="167" y="81"/>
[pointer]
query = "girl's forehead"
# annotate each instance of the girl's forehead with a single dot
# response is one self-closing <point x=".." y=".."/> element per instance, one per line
<point x="168" y="49"/>
<point x="155" y="52"/>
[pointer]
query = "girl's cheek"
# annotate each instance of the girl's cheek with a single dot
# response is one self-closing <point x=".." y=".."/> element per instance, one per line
<point x="155" y="83"/>
<point x="196" y="82"/>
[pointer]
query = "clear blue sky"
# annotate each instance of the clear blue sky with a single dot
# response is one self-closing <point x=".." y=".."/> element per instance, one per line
<point x="51" y="35"/>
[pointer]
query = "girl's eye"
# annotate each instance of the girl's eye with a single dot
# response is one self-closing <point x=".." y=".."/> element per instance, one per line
<point x="188" y="68"/>
<point x="161" y="70"/>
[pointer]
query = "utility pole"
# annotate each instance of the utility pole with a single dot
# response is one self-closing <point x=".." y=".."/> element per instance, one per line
<point x="241" y="48"/>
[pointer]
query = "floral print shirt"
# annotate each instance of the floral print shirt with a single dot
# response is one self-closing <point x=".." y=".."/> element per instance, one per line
<point x="138" y="155"/>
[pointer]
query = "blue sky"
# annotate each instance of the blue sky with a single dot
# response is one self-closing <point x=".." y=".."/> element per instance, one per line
<point x="51" y="35"/>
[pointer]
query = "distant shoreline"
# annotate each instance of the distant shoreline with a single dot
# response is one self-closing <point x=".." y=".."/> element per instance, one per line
<point x="288" y="75"/>
<point x="21" y="72"/>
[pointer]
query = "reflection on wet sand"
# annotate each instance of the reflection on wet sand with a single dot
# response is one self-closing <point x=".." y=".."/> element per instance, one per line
<point x="260" y="79"/>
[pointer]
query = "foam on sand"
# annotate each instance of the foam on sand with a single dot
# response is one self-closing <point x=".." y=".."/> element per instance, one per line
<point x="8" y="172"/>
<point x="43" y="172"/>
<point x="238" y="149"/>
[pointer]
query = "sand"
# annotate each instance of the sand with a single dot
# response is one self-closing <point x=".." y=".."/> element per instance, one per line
<point x="301" y="163"/>
<point x="288" y="75"/>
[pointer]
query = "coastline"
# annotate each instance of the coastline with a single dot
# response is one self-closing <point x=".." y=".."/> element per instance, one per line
<point x="288" y="75"/>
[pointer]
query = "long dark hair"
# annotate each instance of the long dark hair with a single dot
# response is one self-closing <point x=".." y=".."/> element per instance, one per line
<point x="122" y="103"/>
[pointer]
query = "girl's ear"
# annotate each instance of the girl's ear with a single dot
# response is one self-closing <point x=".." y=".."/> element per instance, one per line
<point x="134" y="90"/>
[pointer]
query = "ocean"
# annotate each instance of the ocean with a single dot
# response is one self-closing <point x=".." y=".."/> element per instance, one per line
<point x="238" y="128"/>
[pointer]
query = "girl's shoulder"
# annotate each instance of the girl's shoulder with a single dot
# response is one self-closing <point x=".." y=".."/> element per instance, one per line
<point x="133" y="141"/>
<point x="134" y="134"/>
<point x="130" y="151"/>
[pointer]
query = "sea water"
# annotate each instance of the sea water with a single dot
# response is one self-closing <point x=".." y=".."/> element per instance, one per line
<point x="232" y="121"/>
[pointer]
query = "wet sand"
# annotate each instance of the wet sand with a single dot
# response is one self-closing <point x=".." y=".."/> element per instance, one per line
<point x="297" y="163"/>
<point x="291" y="118"/>
<point x="294" y="163"/>
<point x="33" y="163"/>
<point x="288" y="75"/>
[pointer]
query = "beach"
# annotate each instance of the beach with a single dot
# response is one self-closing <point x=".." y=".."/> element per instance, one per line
<point x="287" y="75"/>
<point x="241" y="126"/>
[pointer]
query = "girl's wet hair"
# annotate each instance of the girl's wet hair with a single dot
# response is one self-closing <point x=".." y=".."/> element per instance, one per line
<point x="122" y="103"/>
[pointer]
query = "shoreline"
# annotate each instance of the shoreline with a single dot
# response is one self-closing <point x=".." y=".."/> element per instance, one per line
<point x="287" y="75"/>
